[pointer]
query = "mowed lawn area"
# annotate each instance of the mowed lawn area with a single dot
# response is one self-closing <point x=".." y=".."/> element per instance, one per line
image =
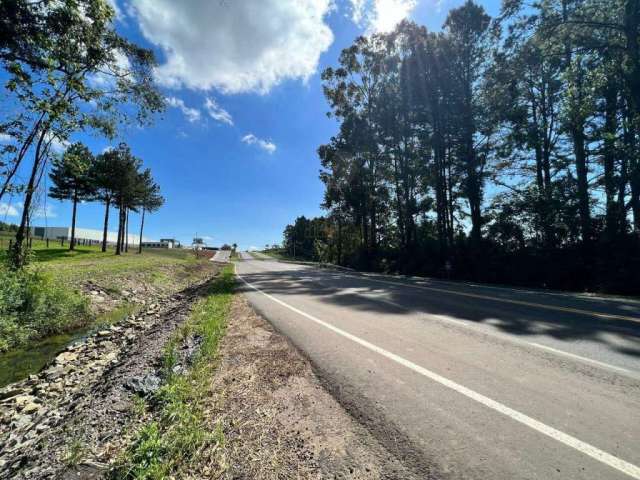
<point x="90" y="263"/>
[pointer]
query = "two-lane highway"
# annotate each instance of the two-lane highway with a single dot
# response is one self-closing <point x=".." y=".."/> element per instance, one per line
<point x="468" y="381"/>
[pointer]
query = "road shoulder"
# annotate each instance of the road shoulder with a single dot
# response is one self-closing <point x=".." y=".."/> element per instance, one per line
<point x="278" y="420"/>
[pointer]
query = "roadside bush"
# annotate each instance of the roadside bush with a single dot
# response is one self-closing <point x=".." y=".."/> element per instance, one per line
<point x="33" y="305"/>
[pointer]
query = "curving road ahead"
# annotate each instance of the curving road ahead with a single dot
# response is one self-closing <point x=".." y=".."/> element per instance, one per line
<point x="468" y="381"/>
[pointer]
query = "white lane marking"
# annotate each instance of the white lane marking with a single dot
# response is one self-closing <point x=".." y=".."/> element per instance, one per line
<point x="583" y="447"/>
<point x="584" y="359"/>
<point x="609" y="316"/>
<point x="467" y="325"/>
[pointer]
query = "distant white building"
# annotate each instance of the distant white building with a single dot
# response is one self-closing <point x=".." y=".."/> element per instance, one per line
<point x="163" y="243"/>
<point x="87" y="235"/>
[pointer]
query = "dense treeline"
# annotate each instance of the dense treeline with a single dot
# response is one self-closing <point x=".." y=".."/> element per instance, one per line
<point x="503" y="150"/>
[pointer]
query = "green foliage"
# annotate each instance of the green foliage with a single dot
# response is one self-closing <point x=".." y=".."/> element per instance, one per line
<point x="70" y="174"/>
<point x="164" y="447"/>
<point x="33" y="305"/>
<point x="492" y="143"/>
<point x="67" y="70"/>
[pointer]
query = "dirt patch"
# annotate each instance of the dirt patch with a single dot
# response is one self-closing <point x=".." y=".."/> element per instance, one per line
<point x="278" y="420"/>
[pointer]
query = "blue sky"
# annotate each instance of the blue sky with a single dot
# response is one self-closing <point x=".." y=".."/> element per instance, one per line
<point x="235" y="152"/>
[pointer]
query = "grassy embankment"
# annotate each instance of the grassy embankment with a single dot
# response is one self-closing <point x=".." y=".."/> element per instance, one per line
<point x="44" y="299"/>
<point x="175" y="431"/>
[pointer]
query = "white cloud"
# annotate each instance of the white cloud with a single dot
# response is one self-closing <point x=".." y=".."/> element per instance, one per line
<point x="218" y="113"/>
<point x="235" y="46"/>
<point x="120" y="66"/>
<point x="57" y="145"/>
<point x="44" y="212"/>
<point x="266" y="145"/>
<point x="7" y="210"/>
<point x="380" y="15"/>
<point x="191" y="114"/>
<point x="15" y="210"/>
<point x="5" y="138"/>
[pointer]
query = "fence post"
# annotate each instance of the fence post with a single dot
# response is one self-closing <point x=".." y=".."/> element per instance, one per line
<point x="47" y="243"/>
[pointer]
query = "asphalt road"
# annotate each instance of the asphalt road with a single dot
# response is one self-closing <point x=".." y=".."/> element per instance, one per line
<point x="468" y="381"/>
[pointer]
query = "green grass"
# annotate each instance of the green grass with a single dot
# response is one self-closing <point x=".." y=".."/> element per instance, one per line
<point x="33" y="304"/>
<point x="43" y="299"/>
<point x="169" y="440"/>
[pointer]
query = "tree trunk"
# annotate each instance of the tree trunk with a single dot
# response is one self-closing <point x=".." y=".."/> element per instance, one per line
<point x="576" y="131"/>
<point x="120" y="229"/>
<point x="72" y="243"/>
<point x="106" y="224"/>
<point x="609" y="155"/>
<point x="18" y="257"/>
<point x="583" y="185"/>
<point x="141" y="228"/>
<point x="126" y="230"/>
<point x="632" y="36"/>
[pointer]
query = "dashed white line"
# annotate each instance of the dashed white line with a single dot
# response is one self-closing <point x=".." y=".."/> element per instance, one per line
<point x="568" y="440"/>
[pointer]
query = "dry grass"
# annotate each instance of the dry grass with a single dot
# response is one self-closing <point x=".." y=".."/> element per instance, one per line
<point x="278" y="421"/>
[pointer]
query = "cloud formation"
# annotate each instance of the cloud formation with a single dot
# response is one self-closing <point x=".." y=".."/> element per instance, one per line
<point x="216" y="112"/>
<point x="235" y="46"/>
<point x="378" y="16"/>
<point x="15" y="210"/>
<point x="7" y="210"/>
<point x="191" y="114"/>
<point x="266" y="145"/>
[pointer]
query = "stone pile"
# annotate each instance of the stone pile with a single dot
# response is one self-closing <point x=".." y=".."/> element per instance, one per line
<point x="31" y="409"/>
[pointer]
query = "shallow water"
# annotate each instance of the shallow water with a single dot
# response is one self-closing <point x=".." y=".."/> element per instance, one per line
<point x="19" y="363"/>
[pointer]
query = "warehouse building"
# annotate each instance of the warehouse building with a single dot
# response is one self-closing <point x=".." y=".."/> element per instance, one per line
<point x="85" y="236"/>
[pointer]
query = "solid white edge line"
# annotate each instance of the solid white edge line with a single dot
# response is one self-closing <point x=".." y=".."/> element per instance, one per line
<point x="583" y="447"/>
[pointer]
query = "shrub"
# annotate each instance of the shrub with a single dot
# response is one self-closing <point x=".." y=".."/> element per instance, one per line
<point x="33" y="305"/>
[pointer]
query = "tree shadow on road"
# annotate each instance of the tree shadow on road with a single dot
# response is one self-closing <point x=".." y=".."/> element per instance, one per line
<point x="360" y="293"/>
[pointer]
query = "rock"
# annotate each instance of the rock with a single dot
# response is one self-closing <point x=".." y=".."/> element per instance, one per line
<point x="23" y="400"/>
<point x="41" y="427"/>
<point x="30" y="408"/>
<point x="55" y="387"/>
<point x="19" y="421"/>
<point x="144" y="385"/>
<point x="108" y="345"/>
<point x="65" y="357"/>
<point x="104" y="333"/>
<point x="109" y="357"/>
<point x="98" y="299"/>
<point x="55" y="372"/>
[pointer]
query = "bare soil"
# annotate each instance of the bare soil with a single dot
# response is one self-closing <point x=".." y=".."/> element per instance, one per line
<point x="278" y="420"/>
